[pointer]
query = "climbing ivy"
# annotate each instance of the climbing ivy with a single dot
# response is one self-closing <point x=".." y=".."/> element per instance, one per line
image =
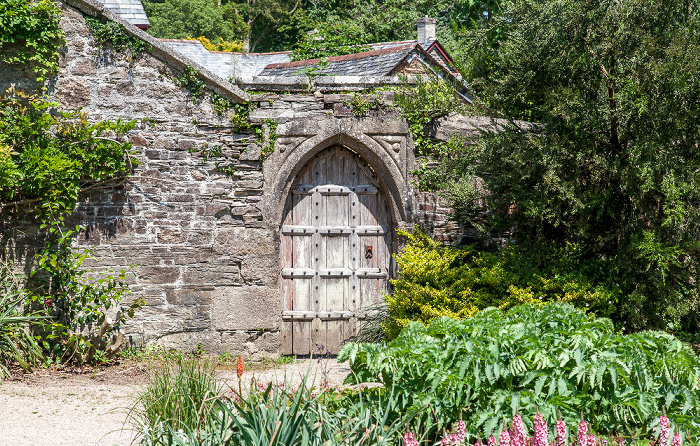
<point x="114" y="34"/>
<point x="190" y="80"/>
<point x="30" y="35"/>
<point x="220" y="103"/>
<point x="269" y="147"/>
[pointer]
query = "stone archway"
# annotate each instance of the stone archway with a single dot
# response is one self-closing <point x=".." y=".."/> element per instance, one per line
<point x="335" y="254"/>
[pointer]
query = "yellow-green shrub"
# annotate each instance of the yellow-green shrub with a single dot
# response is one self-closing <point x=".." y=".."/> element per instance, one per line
<point x="436" y="280"/>
<point x="221" y="45"/>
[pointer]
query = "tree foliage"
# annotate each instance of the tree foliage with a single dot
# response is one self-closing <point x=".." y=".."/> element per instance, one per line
<point x="178" y="19"/>
<point x="555" y="358"/>
<point x="612" y="163"/>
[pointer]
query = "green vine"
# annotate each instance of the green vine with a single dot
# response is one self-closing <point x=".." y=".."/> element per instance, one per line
<point x="272" y="135"/>
<point x="239" y="118"/>
<point x="360" y="106"/>
<point x="220" y="103"/>
<point x="30" y="35"/>
<point x="115" y="35"/>
<point x="190" y="80"/>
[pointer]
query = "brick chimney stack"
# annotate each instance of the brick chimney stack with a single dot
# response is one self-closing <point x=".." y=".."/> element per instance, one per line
<point x="426" y="29"/>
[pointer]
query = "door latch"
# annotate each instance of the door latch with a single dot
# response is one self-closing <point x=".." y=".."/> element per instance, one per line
<point x="368" y="252"/>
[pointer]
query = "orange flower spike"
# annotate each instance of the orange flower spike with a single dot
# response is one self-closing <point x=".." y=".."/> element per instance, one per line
<point x="239" y="367"/>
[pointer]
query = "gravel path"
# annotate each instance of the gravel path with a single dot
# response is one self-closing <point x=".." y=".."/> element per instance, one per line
<point x="58" y="408"/>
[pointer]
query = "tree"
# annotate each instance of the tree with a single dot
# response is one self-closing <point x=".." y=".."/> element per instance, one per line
<point x="612" y="163"/>
<point x="178" y="19"/>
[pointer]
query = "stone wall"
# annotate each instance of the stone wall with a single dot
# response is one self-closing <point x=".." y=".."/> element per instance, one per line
<point x="201" y="232"/>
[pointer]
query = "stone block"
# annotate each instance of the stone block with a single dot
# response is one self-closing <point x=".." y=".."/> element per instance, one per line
<point x="72" y="92"/>
<point x="158" y="274"/>
<point x="189" y="297"/>
<point x="260" y="269"/>
<point x="243" y="241"/>
<point x="246" y="308"/>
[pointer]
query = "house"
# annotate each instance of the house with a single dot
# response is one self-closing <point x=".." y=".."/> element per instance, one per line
<point x="277" y="239"/>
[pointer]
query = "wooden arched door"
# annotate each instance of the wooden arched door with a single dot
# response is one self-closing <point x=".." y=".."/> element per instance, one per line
<point x="336" y="246"/>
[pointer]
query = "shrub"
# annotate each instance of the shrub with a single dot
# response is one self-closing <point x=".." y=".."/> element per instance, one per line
<point x="555" y="358"/>
<point x="436" y="280"/>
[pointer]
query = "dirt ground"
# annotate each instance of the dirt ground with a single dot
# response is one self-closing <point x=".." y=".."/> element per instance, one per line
<point x="89" y="407"/>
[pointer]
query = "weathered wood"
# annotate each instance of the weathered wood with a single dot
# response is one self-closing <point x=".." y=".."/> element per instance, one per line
<point x="339" y="236"/>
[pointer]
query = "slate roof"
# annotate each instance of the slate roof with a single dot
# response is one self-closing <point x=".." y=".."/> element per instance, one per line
<point x="129" y="10"/>
<point x="378" y="62"/>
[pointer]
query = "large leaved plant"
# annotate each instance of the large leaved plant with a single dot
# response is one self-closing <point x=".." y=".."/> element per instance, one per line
<point x="555" y="358"/>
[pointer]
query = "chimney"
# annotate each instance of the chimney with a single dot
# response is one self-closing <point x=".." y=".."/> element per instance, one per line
<point x="426" y="29"/>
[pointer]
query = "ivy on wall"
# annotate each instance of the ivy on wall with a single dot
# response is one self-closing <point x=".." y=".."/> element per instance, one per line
<point x="114" y="34"/>
<point x="30" y="35"/>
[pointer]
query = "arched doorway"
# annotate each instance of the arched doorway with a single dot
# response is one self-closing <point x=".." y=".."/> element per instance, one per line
<point x="336" y="246"/>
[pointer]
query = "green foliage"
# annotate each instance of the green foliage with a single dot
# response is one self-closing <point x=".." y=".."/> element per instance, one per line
<point x="190" y="80"/>
<point x="332" y="39"/>
<point x="436" y="280"/>
<point x="428" y="99"/>
<point x="115" y="35"/>
<point x="17" y="345"/>
<point x="220" y="103"/>
<point x="554" y="358"/>
<point x="612" y="164"/>
<point x="239" y="118"/>
<point x="76" y="299"/>
<point x="270" y="128"/>
<point x="361" y="106"/>
<point x="47" y="158"/>
<point x="279" y="415"/>
<point x="30" y="35"/>
<point x="178" y="19"/>
<point x="221" y="45"/>
<point x="178" y="396"/>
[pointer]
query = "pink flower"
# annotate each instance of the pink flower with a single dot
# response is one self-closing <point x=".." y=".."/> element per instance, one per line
<point x="581" y="434"/>
<point x="520" y="435"/>
<point x="676" y="439"/>
<point x="504" y="438"/>
<point x="591" y="440"/>
<point x="561" y="433"/>
<point x="492" y="441"/>
<point x="460" y="431"/>
<point x="663" y="435"/>
<point x="541" y="437"/>
<point x="408" y="439"/>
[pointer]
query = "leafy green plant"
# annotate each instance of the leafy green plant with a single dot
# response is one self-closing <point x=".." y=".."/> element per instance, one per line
<point x="179" y="396"/>
<point x="554" y="358"/>
<point x="30" y="35"/>
<point x="239" y="117"/>
<point x="421" y="103"/>
<point x="220" y="103"/>
<point x="77" y="300"/>
<point x="436" y="280"/>
<point x="17" y="344"/>
<point x="270" y="127"/>
<point x="48" y="158"/>
<point x="278" y="415"/>
<point x="115" y="35"/>
<point x="190" y="80"/>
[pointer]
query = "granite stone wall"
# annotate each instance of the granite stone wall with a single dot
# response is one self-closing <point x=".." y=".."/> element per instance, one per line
<point x="198" y="220"/>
